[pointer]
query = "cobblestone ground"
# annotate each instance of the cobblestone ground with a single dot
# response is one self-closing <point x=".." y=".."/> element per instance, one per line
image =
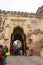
<point x="24" y="60"/>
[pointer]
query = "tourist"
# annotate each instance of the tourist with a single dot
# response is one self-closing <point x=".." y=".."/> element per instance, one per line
<point x="14" y="51"/>
<point x="20" y="51"/>
<point x="27" y="50"/>
<point x="5" y="51"/>
<point x="5" y="48"/>
<point x="1" y="55"/>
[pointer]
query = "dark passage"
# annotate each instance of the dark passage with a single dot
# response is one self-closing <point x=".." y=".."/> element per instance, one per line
<point x="18" y="34"/>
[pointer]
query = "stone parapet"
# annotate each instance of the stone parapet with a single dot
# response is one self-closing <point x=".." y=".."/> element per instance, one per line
<point x="38" y="14"/>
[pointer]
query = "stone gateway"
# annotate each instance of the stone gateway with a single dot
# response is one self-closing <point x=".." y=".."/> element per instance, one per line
<point x="22" y="26"/>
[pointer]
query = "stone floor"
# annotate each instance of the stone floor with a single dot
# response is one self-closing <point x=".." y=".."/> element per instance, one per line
<point x="24" y="60"/>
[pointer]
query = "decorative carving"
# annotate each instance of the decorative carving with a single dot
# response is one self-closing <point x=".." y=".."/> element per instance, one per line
<point x="1" y="24"/>
<point x="8" y="25"/>
<point x="28" y="26"/>
<point x="20" y="20"/>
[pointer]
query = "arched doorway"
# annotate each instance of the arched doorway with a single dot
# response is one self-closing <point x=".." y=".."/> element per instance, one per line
<point x="18" y="34"/>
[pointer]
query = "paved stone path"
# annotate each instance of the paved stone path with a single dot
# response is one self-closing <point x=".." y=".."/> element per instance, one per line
<point x="24" y="60"/>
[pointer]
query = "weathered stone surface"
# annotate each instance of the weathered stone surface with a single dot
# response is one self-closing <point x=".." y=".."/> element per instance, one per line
<point x="41" y="53"/>
<point x="25" y="60"/>
<point x="29" y="22"/>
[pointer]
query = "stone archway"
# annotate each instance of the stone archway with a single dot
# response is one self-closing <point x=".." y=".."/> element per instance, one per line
<point x="18" y="34"/>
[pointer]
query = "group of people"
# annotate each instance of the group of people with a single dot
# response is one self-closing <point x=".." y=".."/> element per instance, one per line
<point x="3" y="57"/>
<point x="17" y="51"/>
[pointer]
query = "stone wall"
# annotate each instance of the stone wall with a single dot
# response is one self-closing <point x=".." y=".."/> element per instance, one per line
<point x="32" y="24"/>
